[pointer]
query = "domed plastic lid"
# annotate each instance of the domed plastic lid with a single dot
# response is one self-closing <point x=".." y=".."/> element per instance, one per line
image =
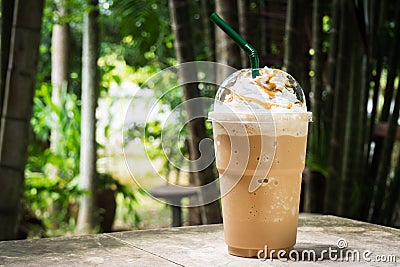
<point x="273" y="91"/>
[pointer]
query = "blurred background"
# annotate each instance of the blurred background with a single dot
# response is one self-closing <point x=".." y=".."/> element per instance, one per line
<point x="71" y="68"/>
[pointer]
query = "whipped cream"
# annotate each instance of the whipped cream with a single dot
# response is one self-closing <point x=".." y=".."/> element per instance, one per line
<point x="273" y="90"/>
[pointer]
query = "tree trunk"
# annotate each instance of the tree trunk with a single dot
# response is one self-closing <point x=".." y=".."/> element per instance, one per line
<point x="59" y="79"/>
<point x="196" y="128"/>
<point x="59" y="64"/>
<point x="195" y="214"/>
<point x="88" y="175"/>
<point x="208" y="29"/>
<point x="17" y="109"/>
<point x="227" y="51"/>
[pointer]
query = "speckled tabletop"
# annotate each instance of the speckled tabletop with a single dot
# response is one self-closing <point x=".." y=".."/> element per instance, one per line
<point x="321" y="240"/>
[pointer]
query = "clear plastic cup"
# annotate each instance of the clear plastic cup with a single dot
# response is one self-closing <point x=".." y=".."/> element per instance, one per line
<point x="260" y="157"/>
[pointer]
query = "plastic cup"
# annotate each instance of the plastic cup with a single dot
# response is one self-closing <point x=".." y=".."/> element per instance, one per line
<point x="260" y="157"/>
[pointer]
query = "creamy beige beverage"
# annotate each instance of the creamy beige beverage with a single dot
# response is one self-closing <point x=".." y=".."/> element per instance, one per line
<point x="269" y="215"/>
<point x="267" y="148"/>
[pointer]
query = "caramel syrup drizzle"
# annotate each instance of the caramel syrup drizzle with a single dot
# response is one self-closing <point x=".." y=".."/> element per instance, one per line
<point x="266" y="105"/>
<point x="270" y="89"/>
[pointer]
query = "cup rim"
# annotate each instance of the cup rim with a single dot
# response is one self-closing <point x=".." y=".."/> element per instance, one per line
<point x="258" y="117"/>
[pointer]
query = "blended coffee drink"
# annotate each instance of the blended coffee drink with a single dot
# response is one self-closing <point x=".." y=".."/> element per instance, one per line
<point x="260" y="132"/>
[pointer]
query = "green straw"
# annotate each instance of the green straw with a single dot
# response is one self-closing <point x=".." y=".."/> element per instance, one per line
<point x="249" y="49"/>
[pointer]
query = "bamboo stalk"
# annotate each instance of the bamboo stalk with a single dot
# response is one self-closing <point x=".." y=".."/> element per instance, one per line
<point x="376" y="60"/>
<point x="7" y="11"/>
<point x="385" y="162"/>
<point x="331" y="68"/>
<point x="317" y="143"/>
<point x="393" y="188"/>
<point x="294" y="38"/>
<point x="335" y="163"/>
<point x="317" y="67"/>
<point x="392" y="68"/>
<point x="245" y="26"/>
<point x="393" y="197"/>
<point x="17" y="109"/>
<point x="353" y="152"/>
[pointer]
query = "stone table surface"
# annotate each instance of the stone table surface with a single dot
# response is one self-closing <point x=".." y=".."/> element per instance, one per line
<point x="333" y="241"/>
